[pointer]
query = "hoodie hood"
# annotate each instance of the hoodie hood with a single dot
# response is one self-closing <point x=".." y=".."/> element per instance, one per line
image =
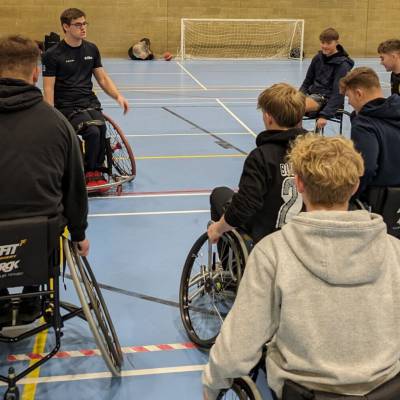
<point x="279" y="137"/>
<point x="387" y="109"/>
<point x="17" y="95"/>
<point x="339" y="57"/>
<point x="315" y="237"/>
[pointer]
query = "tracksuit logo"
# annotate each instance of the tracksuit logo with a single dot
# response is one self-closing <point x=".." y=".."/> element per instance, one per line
<point x="8" y="255"/>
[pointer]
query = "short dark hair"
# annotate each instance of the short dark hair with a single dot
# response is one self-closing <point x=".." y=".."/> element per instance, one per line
<point x="18" y="54"/>
<point x="328" y="35"/>
<point x="69" y="14"/>
<point x="389" y="46"/>
<point x="361" y="77"/>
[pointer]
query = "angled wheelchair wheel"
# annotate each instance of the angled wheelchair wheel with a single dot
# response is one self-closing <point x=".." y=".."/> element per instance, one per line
<point x="94" y="308"/>
<point x="123" y="160"/>
<point x="243" y="389"/>
<point x="209" y="282"/>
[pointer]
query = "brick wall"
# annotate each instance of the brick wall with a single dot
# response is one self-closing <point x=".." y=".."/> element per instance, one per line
<point x="115" y="25"/>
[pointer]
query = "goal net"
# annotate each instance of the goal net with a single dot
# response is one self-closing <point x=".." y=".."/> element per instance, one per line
<point x="242" y="38"/>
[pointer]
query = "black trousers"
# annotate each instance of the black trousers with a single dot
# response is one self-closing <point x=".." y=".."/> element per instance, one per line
<point x="219" y="201"/>
<point x="94" y="137"/>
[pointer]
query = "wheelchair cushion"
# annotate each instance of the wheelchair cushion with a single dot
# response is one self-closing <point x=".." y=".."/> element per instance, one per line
<point x="386" y="202"/>
<point x="24" y="253"/>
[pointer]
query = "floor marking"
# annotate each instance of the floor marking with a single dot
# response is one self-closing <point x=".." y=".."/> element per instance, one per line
<point x="96" y="352"/>
<point x="145" y="73"/>
<point x="190" y="156"/>
<point x="236" y="118"/>
<point x="107" y="375"/>
<point x="219" y="141"/>
<point x="155" y="194"/>
<point x="134" y="214"/>
<point x="29" y="391"/>
<point x="181" y="98"/>
<point x="177" y="89"/>
<point x="191" y="75"/>
<point x="184" y="134"/>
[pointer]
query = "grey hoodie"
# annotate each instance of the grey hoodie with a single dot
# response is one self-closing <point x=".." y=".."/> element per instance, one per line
<point x="325" y="293"/>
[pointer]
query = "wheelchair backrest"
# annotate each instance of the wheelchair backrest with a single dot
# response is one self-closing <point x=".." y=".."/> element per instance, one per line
<point x="26" y="247"/>
<point x="386" y="202"/>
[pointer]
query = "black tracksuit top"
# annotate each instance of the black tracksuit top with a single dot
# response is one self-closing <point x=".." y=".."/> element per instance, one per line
<point x="41" y="164"/>
<point x="267" y="197"/>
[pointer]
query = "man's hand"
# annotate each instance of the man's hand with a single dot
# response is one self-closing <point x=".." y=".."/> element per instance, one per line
<point x="121" y="100"/>
<point x="83" y="248"/>
<point x="214" y="232"/>
<point x="321" y="123"/>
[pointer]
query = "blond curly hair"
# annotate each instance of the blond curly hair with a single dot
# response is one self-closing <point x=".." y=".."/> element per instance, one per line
<point x="330" y="167"/>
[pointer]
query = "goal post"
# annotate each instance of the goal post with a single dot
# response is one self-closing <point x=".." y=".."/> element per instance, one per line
<point x="242" y="38"/>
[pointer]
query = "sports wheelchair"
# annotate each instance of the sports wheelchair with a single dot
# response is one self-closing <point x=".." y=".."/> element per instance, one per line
<point x="119" y="164"/>
<point x="243" y="388"/>
<point x="32" y="254"/>
<point x="337" y="118"/>
<point x="209" y="282"/>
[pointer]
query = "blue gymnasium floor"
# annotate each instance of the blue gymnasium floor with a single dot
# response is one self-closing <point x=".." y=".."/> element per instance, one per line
<point x="139" y="240"/>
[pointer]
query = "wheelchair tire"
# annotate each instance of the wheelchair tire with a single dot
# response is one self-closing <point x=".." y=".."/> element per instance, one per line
<point x="243" y="389"/>
<point x="122" y="156"/>
<point x="207" y="292"/>
<point x="94" y="308"/>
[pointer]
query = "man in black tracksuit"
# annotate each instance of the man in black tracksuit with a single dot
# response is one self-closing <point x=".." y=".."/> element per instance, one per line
<point x="267" y="197"/>
<point x="321" y="84"/>
<point x="41" y="164"/>
<point x="389" y="53"/>
<point x="375" y="128"/>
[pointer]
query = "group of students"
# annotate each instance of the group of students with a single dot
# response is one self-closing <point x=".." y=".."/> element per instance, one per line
<point x="321" y="287"/>
<point x="323" y="291"/>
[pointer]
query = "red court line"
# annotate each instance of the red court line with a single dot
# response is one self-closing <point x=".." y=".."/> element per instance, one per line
<point x="96" y="352"/>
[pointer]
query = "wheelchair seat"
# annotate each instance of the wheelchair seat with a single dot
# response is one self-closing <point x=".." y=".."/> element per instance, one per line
<point x="338" y="118"/>
<point x="385" y="201"/>
<point x="209" y="282"/>
<point x="30" y="254"/>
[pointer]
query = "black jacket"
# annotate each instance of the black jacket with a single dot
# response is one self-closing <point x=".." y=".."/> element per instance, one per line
<point x="41" y="165"/>
<point x="375" y="131"/>
<point x="323" y="78"/>
<point x="267" y="197"/>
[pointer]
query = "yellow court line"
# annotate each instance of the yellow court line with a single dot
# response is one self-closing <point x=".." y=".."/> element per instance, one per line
<point x="39" y="347"/>
<point x="190" y="156"/>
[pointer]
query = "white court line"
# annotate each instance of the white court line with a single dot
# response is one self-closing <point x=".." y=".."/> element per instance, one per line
<point x="106" y="375"/>
<point x="196" y="104"/>
<point x="188" y="98"/>
<point x="191" y="75"/>
<point x="192" y="89"/>
<point x="145" y="73"/>
<point x="134" y="214"/>
<point x="236" y="117"/>
<point x="186" y="134"/>
<point x="133" y="196"/>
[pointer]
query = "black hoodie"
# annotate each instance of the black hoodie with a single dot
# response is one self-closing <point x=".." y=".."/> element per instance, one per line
<point x="267" y="197"/>
<point x="375" y="131"/>
<point x="40" y="165"/>
<point x="323" y="76"/>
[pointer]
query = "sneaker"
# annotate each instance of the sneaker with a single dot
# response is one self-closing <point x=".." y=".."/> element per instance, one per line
<point x="96" y="178"/>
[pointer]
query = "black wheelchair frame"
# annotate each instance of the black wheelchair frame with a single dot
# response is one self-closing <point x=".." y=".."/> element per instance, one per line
<point x="119" y="166"/>
<point x="338" y="118"/>
<point x="38" y="238"/>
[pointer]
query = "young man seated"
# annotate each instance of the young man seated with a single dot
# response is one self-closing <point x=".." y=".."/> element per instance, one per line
<point x="375" y="128"/>
<point x="323" y="292"/>
<point x="389" y="53"/>
<point x="68" y="68"/>
<point x="267" y="197"/>
<point x="321" y="84"/>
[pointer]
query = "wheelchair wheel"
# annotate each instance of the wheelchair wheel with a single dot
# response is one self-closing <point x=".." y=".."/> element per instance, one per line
<point x="94" y="308"/>
<point x="209" y="282"/>
<point x="243" y="389"/>
<point x="122" y="156"/>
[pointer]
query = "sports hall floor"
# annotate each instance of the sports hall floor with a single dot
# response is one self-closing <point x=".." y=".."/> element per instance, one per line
<point x="190" y="126"/>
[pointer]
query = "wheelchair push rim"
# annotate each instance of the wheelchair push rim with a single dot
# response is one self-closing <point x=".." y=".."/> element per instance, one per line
<point x="242" y="388"/>
<point x="208" y="287"/>
<point x="94" y="308"/>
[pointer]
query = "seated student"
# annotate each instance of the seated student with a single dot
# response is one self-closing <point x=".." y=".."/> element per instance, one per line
<point x="321" y="84"/>
<point x="375" y="128"/>
<point x="141" y="51"/>
<point x="68" y="68"/>
<point x="323" y="292"/>
<point x="41" y="165"/>
<point x="389" y="53"/>
<point x="267" y="197"/>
